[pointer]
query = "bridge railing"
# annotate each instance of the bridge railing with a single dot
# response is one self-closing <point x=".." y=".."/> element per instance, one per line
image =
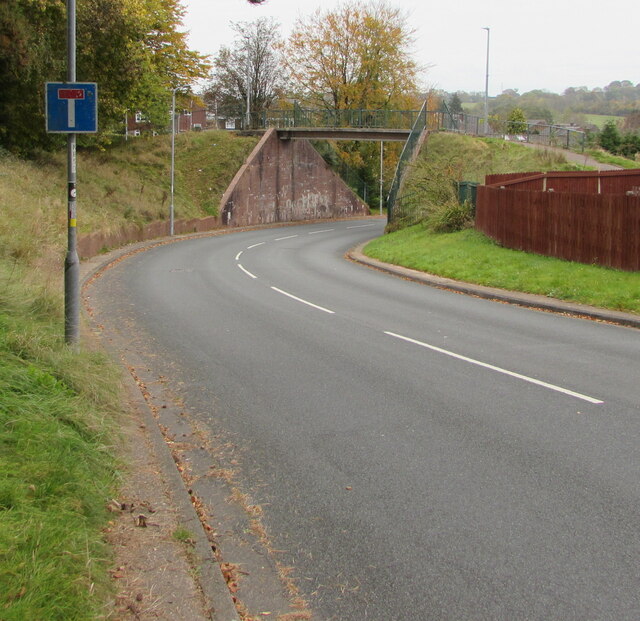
<point x="306" y="117"/>
<point x="442" y="119"/>
<point x="421" y="122"/>
<point x="525" y="132"/>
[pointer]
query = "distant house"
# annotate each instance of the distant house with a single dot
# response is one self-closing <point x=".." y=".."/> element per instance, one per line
<point x="137" y="124"/>
<point x="193" y="118"/>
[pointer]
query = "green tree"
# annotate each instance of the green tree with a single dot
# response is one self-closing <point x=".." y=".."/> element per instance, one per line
<point x="31" y="52"/>
<point x="629" y="145"/>
<point x="357" y="56"/>
<point x="455" y="105"/>
<point x="516" y="122"/>
<point x="609" y="138"/>
<point x="135" y="50"/>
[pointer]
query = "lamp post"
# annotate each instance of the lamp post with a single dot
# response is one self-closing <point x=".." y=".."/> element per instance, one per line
<point x="248" y="80"/>
<point x="381" y="171"/>
<point x="486" y="87"/>
<point x="71" y="262"/>
<point x="173" y="155"/>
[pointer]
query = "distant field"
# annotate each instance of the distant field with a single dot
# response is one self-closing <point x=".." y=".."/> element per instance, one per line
<point x="593" y="119"/>
<point x="600" y="119"/>
<point x="469" y="106"/>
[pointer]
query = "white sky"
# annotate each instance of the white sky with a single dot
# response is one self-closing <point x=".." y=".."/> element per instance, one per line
<point x="547" y="44"/>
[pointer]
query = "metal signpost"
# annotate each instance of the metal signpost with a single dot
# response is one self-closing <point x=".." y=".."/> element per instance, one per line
<point x="173" y="157"/>
<point x="72" y="108"/>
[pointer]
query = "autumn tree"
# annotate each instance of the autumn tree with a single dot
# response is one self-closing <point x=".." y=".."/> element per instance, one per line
<point x="632" y="122"/>
<point x="356" y="56"/>
<point x="251" y="63"/>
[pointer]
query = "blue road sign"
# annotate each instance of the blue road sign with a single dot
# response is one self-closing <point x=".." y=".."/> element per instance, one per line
<point x="72" y="108"/>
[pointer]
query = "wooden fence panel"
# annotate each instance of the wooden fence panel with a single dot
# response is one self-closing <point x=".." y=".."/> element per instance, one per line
<point x="580" y="182"/>
<point x="589" y="228"/>
<point x="498" y="179"/>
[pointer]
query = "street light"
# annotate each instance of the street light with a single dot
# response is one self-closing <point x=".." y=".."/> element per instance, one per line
<point x="486" y="87"/>
<point x="381" y="171"/>
<point x="248" y="80"/>
<point x="173" y="154"/>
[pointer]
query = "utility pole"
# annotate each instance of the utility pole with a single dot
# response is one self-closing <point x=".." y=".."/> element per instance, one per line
<point x="248" y="121"/>
<point x="381" y="172"/>
<point x="486" y="87"/>
<point x="173" y="156"/>
<point x="71" y="262"/>
<point x="71" y="108"/>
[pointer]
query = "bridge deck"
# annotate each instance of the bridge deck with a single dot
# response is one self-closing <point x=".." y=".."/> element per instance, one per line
<point x="344" y="133"/>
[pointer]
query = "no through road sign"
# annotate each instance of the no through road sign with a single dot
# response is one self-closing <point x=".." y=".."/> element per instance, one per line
<point x="72" y="108"/>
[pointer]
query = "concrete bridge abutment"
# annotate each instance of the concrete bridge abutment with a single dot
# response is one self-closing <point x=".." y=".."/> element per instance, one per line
<point x="286" y="180"/>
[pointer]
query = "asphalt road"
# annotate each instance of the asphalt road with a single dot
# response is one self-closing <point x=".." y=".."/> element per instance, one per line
<point x="418" y="454"/>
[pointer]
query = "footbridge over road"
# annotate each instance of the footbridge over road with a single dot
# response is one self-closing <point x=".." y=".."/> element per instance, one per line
<point x="317" y="124"/>
<point x="286" y="179"/>
<point x="344" y="133"/>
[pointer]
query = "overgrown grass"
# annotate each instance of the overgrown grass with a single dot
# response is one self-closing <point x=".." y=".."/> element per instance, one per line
<point x="470" y="256"/>
<point x="467" y="158"/>
<point x="58" y="414"/>
<point x="127" y="183"/>
<point x="615" y="160"/>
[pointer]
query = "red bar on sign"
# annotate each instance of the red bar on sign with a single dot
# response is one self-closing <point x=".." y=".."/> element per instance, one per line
<point x="71" y="93"/>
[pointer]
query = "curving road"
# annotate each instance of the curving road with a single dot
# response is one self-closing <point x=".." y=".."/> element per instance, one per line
<point x="418" y="454"/>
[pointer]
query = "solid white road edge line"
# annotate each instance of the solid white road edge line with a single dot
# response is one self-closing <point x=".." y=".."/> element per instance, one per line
<point x="287" y="237"/>
<point x="525" y="378"/>
<point x="360" y="226"/>
<point x="254" y="245"/>
<point x="293" y="297"/>
<point x="247" y="272"/>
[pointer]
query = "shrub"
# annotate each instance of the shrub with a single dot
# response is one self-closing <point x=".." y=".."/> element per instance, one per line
<point x="610" y="137"/>
<point x="450" y="217"/>
<point x="517" y="122"/>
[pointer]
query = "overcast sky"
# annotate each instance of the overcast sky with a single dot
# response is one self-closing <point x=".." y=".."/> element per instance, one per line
<point x="547" y="44"/>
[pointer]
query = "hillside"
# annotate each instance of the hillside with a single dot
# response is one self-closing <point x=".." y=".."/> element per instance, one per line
<point x="579" y="105"/>
<point x="429" y="190"/>
<point x="123" y="184"/>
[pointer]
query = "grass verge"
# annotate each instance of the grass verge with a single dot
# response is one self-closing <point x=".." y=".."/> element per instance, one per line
<point x="615" y="160"/>
<point x="472" y="257"/>
<point x="59" y="408"/>
<point x="57" y="469"/>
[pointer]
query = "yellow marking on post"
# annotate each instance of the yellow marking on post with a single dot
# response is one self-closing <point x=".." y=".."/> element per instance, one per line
<point x="73" y="222"/>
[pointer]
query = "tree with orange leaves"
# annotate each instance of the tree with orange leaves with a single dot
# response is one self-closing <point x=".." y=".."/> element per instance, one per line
<point x="357" y="56"/>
